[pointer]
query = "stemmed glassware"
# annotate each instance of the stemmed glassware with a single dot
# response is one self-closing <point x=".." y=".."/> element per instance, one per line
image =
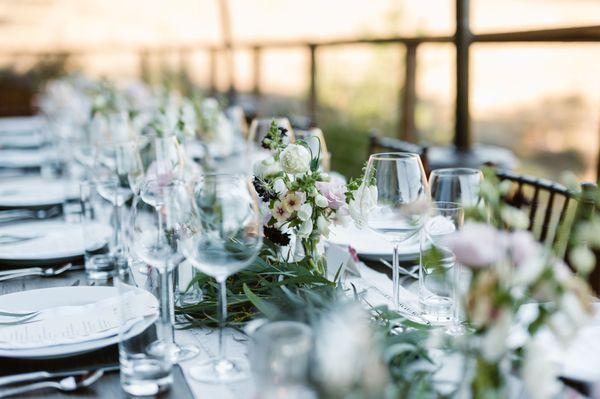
<point x="394" y="199"/>
<point x="459" y="186"/>
<point x="160" y="215"/>
<point x="224" y="237"/>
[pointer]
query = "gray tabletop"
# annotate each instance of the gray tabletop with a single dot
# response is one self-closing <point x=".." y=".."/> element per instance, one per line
<point x="108" y="386"/>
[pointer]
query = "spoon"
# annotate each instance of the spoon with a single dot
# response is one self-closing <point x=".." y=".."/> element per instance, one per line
<point x="68" y="384"/>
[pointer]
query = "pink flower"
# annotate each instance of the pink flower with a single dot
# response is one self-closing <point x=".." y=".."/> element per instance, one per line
<point x="477" y="245"/>
<point x="334" y="191"/>
<point x="523" y="247"/>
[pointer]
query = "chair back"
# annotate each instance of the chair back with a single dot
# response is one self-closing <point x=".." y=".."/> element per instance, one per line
<point x="379" y="143"/>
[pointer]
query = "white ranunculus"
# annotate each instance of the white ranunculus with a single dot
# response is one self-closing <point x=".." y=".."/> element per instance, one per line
<point x="295" y="159"/>
<point x="280" y="187"/>
<point x="305" y="228"/>
<point x="540" y="371"/>
<point x="321" y="201"/>
<point x="323" y="226"/>
<point x="266" y="167"/>
<point x="582" y="259"/>
<point x="305" y="212"/>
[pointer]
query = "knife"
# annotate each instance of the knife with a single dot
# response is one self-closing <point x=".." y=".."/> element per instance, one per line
<point x="34" y="269"/>
<point x="44" y="375"/>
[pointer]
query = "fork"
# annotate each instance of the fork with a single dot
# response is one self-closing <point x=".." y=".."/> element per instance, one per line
<point x="68" y="384"/>
<point x="48" y="272"/>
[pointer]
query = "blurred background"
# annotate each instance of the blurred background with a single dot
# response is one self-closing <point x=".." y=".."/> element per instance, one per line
<point x="350" y="66"/>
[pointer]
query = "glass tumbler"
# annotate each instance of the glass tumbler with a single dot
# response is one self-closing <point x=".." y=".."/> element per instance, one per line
<point x="98" y="232"/>
<point x="280" y="357"/>
<point x="145" y="371"/>
<point x="438" y="264"/>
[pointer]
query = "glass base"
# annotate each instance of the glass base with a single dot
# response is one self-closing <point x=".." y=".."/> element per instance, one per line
<point x="145" y="377"/>
<point x="176" y="353"/>
<point x="221" y="371"/>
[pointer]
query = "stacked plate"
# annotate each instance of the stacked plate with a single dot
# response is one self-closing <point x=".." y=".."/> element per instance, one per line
<point x="70" y="320"/>
<point x="43" y="243"/>
<point x="35" y="192"/>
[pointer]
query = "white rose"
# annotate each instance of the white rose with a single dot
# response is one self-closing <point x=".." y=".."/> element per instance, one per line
<point x="279" y="186"/>
<point x="514" y="217"/>
<point x="321" y="201"/>
<point x="323" y="226"/>
<point x="295" y="159"/>
<point x="305" y="212"/>
<point x="305" y="228"/>
<point x="540" y="371"/>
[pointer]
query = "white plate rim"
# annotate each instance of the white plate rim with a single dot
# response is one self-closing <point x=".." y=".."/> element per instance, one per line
<point x="60" y="351"/>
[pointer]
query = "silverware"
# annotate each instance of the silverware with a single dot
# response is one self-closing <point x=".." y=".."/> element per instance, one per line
<point x="48" y="272"/>
<point x="34" y="270"/>
<point x="24" y="214"/>
<point x="44" y="375"/>
<point x="412" y="272"/>
<point x="68" y="384"/>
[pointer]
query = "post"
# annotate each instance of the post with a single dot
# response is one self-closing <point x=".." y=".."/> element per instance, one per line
<point x="144" y="66"/>
<point x="256" y="60"/>
<point x="406" y="127"/>
<point x="462" y="40"/>
<point x="312" y="92"/>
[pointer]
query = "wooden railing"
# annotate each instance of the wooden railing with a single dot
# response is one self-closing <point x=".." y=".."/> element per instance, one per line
<point x="462" y="40"/>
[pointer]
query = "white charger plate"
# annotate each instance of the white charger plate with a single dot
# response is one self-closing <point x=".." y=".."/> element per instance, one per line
<point x="371" y="245"/>
<point x="47" y="298"/>
<point x="58" y="241"/>
<point x="35" y="192"/>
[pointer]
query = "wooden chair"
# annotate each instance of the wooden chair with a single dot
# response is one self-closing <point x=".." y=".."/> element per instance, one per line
<point x="553" y="211"/>
<point x="379" y="143"/>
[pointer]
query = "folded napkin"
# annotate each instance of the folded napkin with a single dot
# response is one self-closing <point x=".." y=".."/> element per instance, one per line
<point x="75" y="324"/>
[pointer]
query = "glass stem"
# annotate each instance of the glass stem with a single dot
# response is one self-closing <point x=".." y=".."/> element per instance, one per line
<point x="117" y="232"/>
<point x="456" y="309"/>
<point x="396" y="278"/>
<point x="167" y="307"/>
<point x="222" y="316"/>
<point x="161" y="222"/>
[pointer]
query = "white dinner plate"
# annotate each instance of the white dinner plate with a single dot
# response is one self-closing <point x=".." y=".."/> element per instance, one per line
<point x="23" y="158"/>
<point x="371" y="245"/>
<point x="52" y="242"/>
<point x="20" y="124"/>
<point x="47" y="298"/>
<point x="35" y="192"/>
<point x="21" y="141"/>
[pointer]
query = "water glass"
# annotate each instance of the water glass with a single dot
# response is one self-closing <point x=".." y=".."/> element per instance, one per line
<point x="438" y="265"/>
<point x="145" y="368"/>
<point x="280" y="357"/>
<point x="98" y="234"/>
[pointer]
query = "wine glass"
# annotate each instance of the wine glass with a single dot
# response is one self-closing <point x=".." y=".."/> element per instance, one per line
<point x="129" y="163"/>
<point x="224" y="237"/>
<point x="159" y="215"/>
<point x="394" y="198"/>
<point x="461" y="186"/>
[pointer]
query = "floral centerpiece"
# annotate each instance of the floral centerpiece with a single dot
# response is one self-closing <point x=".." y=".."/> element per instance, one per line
<point x="302" y="201"/>
<point x="514" y="280"/>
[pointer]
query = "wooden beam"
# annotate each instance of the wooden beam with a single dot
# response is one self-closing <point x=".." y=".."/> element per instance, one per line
<point x="257" y="71"/>
<point x="462" y="40"/>
<point x="409" y="95"/>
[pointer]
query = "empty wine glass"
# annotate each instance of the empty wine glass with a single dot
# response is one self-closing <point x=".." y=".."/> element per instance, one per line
<point x="224" y="237"/>
<point x="459" y="185"/>
<point x="159" y="215"/>
<point x="129" y="163"/>
<point x="456" y="185"/>
<point x="394" y="198"/>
